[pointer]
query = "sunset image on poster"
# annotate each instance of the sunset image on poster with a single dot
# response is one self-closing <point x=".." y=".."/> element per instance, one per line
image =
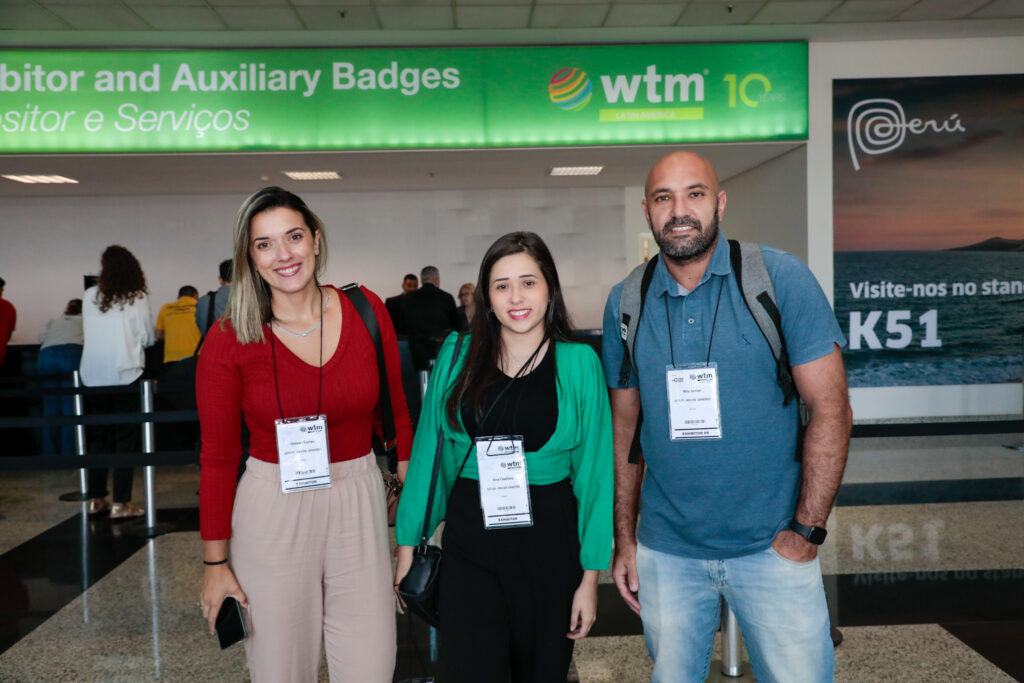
<point x="928" y="219"/>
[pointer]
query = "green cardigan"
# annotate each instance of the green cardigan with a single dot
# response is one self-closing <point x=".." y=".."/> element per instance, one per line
<point x="579" y="449"/>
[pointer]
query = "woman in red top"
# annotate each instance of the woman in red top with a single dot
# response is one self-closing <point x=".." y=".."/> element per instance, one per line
<point x="302" y="543"/>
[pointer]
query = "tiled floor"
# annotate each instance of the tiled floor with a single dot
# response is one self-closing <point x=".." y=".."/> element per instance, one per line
<point x="924" y="568"/>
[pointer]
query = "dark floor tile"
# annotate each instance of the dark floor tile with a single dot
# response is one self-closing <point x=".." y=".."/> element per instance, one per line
<point x="1001" y="642"/>
<point x="928" y="597"/>
<point x="614" y="617"/>
<point x="916" y="492"/>
<point x="62" y="562"/>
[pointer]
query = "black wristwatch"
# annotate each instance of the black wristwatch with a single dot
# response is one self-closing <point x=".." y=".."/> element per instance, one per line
<point x="814" y="534"/>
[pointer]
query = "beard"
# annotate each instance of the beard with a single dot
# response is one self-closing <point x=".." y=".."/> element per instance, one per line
<point x="691" y="248"/>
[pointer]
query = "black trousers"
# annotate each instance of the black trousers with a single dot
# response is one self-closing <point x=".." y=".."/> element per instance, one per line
<point x="120" y="438"/>
<point x="506" y="595"/>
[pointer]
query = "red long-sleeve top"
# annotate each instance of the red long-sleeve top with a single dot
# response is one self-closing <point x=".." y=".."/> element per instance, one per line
<point x="236" y="379"/>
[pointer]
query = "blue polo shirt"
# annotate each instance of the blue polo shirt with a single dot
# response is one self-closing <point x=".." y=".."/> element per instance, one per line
<point x="728" y="497"/>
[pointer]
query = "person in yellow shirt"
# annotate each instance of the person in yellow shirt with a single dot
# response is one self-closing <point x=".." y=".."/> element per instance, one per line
<point x="176" y="326"/>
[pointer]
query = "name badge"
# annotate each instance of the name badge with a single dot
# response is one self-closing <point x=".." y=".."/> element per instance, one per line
<point x="302" y="453"/>
<point x="693" y="408"/>
<point x="504" y="486"/>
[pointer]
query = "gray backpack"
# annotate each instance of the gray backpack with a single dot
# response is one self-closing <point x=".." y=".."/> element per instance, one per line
<point x="759" y="295"/>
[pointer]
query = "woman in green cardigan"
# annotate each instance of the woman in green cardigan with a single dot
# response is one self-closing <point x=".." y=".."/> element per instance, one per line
<point x="526" y="481"/>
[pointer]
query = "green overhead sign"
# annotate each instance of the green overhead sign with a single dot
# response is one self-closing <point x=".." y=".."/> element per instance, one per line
<point x="226" y="100"/>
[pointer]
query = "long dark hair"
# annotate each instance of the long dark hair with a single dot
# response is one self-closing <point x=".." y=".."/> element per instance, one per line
<point x="481" y="367"/>
<point x="121" y="278"/>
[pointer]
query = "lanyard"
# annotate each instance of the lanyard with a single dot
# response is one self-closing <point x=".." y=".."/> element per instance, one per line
<point x="714" y="321"/>
<point x="320" y="369"/>
<point x="518" y="375"/>
<point x="497" y="399"/>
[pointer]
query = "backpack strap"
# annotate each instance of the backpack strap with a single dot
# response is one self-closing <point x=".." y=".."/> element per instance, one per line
<point x="759" y="295"/>
<point x="631" y="308"/>
<point x="387" y="416"/>
<point x="209" y="322"/>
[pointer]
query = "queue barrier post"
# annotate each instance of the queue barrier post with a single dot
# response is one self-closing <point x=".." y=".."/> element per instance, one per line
<point x="150" y="527"/>
<point x="732" y="663"/>
<point x="80" y="447"/>
<point x="424" y="380"/>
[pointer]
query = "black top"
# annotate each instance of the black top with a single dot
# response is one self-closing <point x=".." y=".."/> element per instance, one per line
<point x="429" y="316"/>
<point x="529" y="407"/>
<point x="396" y="309"/>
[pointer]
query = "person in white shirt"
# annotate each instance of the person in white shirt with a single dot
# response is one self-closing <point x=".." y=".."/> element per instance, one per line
<point x="117" y="326"/>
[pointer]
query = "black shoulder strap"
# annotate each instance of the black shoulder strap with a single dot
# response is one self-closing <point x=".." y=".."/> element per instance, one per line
<point x="209" y="322"/>
<point x="387" y="415"/>
<point x="756" y="287"/>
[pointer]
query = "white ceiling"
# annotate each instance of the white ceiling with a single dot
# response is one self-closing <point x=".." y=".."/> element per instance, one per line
<point x="353" y="23"/>
<point x="391" y="15"/>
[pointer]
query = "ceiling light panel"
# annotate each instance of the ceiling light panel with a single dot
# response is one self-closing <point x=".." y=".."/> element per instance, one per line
<point x="313" y="175"/>
<point x="44" y="179"/>
<point x="575" y="170"/>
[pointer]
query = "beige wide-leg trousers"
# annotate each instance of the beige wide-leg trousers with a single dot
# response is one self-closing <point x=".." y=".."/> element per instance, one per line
<point x="315" y="567"/>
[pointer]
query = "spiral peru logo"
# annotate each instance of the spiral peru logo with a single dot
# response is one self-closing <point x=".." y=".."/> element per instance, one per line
<point x="880" y="125"/>
<point x="570" y="89"/>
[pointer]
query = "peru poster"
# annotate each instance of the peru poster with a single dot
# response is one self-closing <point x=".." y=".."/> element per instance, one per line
<point x="928" y="220"/>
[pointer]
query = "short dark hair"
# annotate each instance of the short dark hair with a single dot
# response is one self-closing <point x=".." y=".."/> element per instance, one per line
<point x="3" y="282"/>
<point x="410" y="276"/>
<point x="189" y="290"/>
<point x="225" y="270"/>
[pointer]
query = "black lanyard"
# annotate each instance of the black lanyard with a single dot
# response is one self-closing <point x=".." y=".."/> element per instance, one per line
<point x="714" y="321"/>
<point x="505" y="406"/>
<point x="497" y="399"/>
<point x="320" y="370"/>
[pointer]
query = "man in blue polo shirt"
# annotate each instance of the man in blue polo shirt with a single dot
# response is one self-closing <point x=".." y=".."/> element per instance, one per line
<point x="727" y="509"/>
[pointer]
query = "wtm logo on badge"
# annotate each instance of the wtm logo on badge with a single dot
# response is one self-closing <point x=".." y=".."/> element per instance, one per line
<point x="570" y="89"/>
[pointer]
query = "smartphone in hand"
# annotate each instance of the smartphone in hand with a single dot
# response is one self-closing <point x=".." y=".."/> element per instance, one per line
<point x="230" y="623"/>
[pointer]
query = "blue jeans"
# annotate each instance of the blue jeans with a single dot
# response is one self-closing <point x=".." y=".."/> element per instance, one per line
<point x="780" y="606"/>
<point x="62" y="359"/>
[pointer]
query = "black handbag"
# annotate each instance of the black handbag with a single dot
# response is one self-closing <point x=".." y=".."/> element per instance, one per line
<point x="418" y="588"/>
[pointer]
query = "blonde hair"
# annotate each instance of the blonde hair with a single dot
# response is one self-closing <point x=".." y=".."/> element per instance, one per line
<point x="248" y="306"/>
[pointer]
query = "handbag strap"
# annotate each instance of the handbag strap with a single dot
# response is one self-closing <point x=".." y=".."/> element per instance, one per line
<point x="387" y="415"/>
<point x="440" y="434"/>
<point x="437" y="452"/>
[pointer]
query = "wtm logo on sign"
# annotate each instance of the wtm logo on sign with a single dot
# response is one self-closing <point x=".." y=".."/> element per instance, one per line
<point x="570" y="89"/>
<point x="880" y="125"/>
